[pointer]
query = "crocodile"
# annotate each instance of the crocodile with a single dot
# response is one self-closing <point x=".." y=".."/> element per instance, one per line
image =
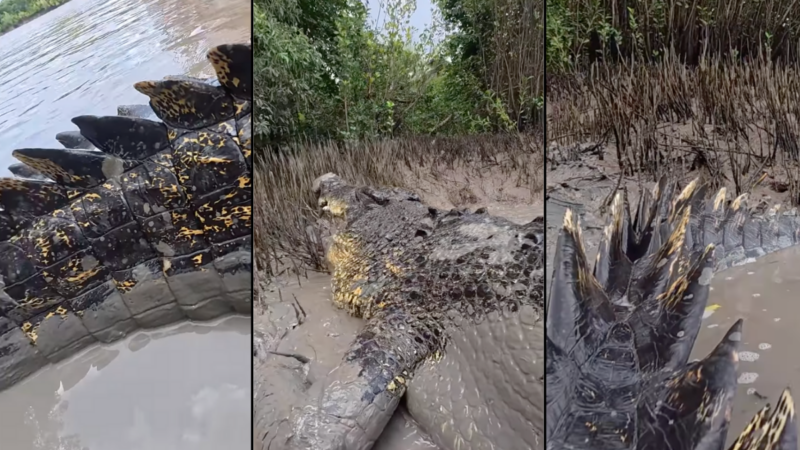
<point x="450" y="299"/>
<point x="619" y="337"/>
<point x="149" y="225"/>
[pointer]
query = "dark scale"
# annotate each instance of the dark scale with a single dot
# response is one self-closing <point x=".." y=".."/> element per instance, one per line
<point x="137" y="222"/>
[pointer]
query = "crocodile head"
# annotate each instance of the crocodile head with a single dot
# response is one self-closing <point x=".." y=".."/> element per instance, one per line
<point x="359" y="209"/>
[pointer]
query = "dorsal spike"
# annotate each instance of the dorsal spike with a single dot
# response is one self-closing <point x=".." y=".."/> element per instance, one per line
<point x="582" y="308"/>
<point x="187" y="104"/>
<point x="613" y="266"/>
<point x="21" y="170"/>
<point x="73" y="168"/>
<point x="124" y="137"/>
<point x="27" y="198"/>
<point x="74" y="140"/>
<point x="678" y="406"/>
<point x="667" y="322"/>
<point x="233" y="64"/>
<point x="140" y="111"/>
<point x="696" y="401"/>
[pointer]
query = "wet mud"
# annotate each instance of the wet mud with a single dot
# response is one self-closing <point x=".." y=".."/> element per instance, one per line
<point x="181" y="387"/>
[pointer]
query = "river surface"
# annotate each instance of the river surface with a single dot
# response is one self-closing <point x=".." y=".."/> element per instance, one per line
<point x="764" y="294"/>
<point x="84" y="57"/>
<point x="178" y="388"/>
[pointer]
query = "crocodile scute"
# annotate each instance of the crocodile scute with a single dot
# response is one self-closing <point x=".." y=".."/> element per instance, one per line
<point x="619" y="336"/>
<point x="139" y="224"/>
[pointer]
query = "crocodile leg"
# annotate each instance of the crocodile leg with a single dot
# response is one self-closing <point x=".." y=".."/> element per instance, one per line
<point x="360" y="395"/>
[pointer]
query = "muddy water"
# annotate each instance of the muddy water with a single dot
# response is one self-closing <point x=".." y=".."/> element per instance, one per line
<point x="764" y="294"/>
<point x="84" y="57"/>
<point x="182" y="387"/>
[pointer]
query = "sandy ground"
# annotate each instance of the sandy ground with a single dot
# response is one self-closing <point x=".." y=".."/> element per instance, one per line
<point x="314" y="328"/>
<point x="760" y="292"/>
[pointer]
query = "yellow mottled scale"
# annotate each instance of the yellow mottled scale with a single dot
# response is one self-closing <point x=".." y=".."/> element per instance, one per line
<point x="31" y="327"/>
<point x="243" y="182"/>
<point x="124" y="285"/>
<point x="350" y="270"/>
<point x="221" y="63"/>
<point x="228" y="216"/>
<point x="30" y="331"/>
<point x="48" y="168"/>
<point x="240" y="107"/>
<point x="226" y="128"/>
<point x="397" y="383"/>
<point x="335" y="206"/>
<point x="75" y="274"/>
<point x="245" y="136"/>
<point x="207" y="161"/>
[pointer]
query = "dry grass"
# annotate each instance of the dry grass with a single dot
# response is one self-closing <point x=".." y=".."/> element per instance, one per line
<point x="285" y="205"/>
<point x="734" y="121"/>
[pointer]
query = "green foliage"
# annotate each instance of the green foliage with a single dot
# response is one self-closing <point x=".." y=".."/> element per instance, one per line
<point x="323" y="72"/>
<point x="581" y="31"/>
<point x="16" y="12"/>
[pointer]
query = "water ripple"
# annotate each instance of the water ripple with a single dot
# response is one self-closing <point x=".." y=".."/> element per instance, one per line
<point x="85" y="56"/>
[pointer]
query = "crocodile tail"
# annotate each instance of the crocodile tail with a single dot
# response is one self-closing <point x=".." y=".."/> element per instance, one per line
<point x="741" y="235"/>
<point x="359" y="396"/>
<point x="136" y="224"/>
<point x="641" y="309"/>
<point x="648" y="329"/>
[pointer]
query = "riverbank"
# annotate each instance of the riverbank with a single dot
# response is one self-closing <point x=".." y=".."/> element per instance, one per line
<point x="15" y="13"/>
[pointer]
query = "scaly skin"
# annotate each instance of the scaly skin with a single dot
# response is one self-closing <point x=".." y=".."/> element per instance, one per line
<point x="149" y="227"/>
<point x="619" y="337"/>
<point x="416" y="275"/>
